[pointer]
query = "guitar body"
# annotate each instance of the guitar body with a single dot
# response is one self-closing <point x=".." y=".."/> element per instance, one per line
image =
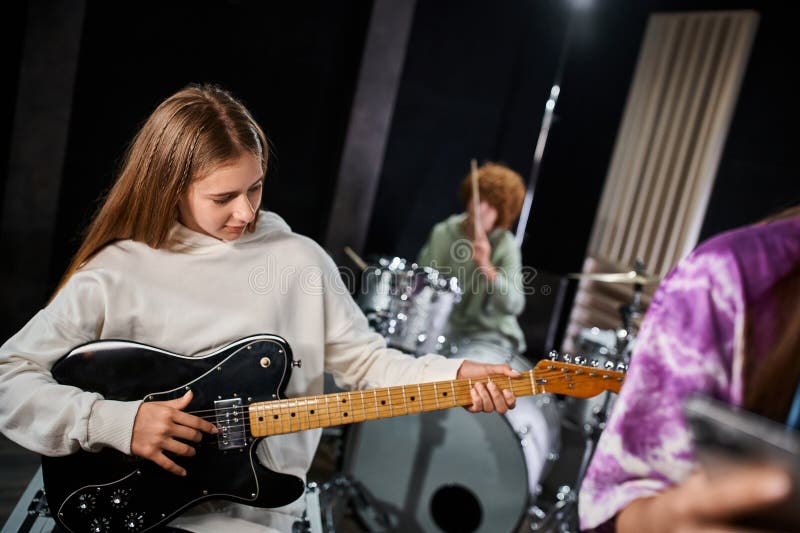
<point x="111" y="491"/>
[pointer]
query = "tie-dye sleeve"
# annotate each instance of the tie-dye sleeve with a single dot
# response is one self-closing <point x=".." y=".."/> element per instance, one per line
<point x="689" y="342"/>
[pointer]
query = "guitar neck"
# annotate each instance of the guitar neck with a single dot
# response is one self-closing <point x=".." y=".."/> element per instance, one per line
<point x="299" y="414"/>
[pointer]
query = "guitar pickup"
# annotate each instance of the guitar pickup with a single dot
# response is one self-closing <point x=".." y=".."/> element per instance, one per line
<point x="230" y="422"/>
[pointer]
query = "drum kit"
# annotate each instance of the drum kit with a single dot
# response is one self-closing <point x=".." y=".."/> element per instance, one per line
<point x="455" y="471"/>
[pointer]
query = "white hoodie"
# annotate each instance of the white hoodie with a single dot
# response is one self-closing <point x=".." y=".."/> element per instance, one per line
<point x="191" y="297"/>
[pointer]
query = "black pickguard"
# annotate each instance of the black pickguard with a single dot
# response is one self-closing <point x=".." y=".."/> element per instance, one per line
<point x="111" y="491"/>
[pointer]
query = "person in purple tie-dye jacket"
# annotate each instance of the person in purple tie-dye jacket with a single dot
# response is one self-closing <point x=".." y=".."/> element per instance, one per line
<point x="726" y="323"/>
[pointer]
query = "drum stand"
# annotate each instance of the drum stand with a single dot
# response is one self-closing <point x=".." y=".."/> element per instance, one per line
<point x="629" y="314"/>
<point x="563" y="516"/>
<point x="327" y="501"/>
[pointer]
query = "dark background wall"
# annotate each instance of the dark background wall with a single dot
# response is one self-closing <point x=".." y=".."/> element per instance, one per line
<point x="293" y="64"/>
<point x="474" y="84"/>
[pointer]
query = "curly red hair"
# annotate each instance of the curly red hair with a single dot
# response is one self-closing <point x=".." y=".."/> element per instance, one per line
<point x="501" y="187"/>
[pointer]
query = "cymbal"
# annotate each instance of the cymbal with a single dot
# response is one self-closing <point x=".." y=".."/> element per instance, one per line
<point x="632" y="277"/>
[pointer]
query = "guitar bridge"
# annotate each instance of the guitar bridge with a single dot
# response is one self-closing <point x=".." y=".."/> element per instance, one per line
<point x="230" y="422"/>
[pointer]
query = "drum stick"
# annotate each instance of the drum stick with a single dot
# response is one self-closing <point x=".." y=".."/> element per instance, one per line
<point x="476" y="199"/>
<point x="360" y="263"/>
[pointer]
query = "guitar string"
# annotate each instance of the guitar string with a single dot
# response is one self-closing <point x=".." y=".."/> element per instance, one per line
<point x="246" y="424"/>
<point x="457" y="383"/>
<point x="427" y="395"/>
<point x="518" y="384"/>
<point x="301" y="411"/>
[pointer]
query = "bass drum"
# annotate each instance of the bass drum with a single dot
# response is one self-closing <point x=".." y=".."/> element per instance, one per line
<point x="452" y="470"/>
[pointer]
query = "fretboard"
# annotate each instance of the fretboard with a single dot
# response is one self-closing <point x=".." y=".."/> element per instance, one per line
<point x="299" y="414"/>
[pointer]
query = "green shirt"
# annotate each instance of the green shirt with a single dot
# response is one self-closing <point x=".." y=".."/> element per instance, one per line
<point x="487" y="309"/>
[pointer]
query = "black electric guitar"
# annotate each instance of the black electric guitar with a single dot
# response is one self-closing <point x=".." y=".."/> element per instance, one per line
<point x="240" y="389"/>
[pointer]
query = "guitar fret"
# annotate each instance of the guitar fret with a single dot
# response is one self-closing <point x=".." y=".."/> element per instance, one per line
<point x="291" y="406"/>
<point x="277" y="423"/>
<point x="453" y="392"/>
<point x="311" y="405"/>
<point x="405" y="400"/>
<point x="322" y="411"/>
<point x="419" y="390"/>
<point x="254" y="413"/>
<point x="346" y="408"/>
<point x="268" y="416"/>
<point x="375" y="397"/>
<point x="328" y="409"/>
<point x="281" y="416"/>
<point x="353" y="401"/>
<point x="436" y="394"/>
<point x="320" y="406"/>
<point x="363" y="408"/>
<point x="303" y="413"/>
<point x="298" y="411"/>
<point x="311" y="411"/>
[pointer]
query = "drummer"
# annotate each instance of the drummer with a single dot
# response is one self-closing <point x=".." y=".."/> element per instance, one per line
<point x="477" y="247"/>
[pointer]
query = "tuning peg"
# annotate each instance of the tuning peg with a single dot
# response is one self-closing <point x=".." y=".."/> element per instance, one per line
<point x="609" y="365"/>
<point x="553" y="355"/>
<point x="622" y="367"/>
<point x="595" y="363"/>
<point x="567" y="358"/>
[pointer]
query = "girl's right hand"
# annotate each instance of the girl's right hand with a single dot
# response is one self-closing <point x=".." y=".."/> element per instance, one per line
<point x="157" y="427"/>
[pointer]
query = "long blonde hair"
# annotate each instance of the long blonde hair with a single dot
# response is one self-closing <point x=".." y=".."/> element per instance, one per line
<point x="194" y="131"/>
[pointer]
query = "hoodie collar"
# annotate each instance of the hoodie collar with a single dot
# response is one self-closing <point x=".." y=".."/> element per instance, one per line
<point x="182" y="238"/>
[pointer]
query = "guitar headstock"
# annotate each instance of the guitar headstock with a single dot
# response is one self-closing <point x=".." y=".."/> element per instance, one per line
<point x="578" y="376"/>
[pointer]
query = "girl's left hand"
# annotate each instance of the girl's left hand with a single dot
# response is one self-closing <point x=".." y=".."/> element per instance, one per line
<point x="488" y="397"/>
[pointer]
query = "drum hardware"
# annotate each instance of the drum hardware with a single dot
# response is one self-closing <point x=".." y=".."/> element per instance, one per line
<point x="562" y="515"/>
<point x="355" y="258"/>
<point x="561" y="518"/>
<point x="407" y="304"/>
<point x="31" y="514"/>
<point x="311" y="521"/>
<point x="630" y="314"/>
<point x="342" y="493"/>
<point x="586" y="418"/>
<point x="327" y="502"/>
<point x="631" y="277"/>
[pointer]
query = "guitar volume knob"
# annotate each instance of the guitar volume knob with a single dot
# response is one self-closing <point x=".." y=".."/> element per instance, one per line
<point x="86" y="502"/>
<point x="119" y="498"/>
<point x="100" y="525"/>
<point x="133" y="521"/>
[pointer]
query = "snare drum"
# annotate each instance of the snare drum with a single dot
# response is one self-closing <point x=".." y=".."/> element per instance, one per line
<point x="452" y="470"/>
